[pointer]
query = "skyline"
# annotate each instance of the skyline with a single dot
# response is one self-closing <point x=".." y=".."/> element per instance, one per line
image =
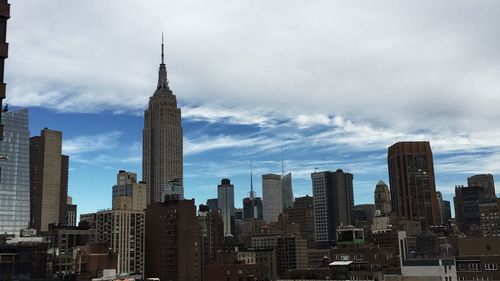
<point x="237" y="108"/>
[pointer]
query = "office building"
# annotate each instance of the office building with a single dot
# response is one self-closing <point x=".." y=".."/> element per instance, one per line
<point x="173" y="245"/>
<point x="48" y="180"/>
<point x="301" y="214"/>
<point x="382" y="198"/>
<point x="489" y="213"/>
<point x="14" y="171"/>
<point x="286" y="185"/>
<point x="71" y="211"/>
<point x="128" y="194"/>
<point x="4" y="53"/>
<point x="413" y="187"/>
<point x="253" y="207"/>
<point x="211" y="233"/>
<point x="333" y="204"/>
<point x="213" y="204"/>
<point x="162" y="138"/>
<point x="467" y="213"/>
<point x="484" y="180"/>
<point x="363" y="214"/>
<point x="88" y="219"/>
<point x="272" y="194"/>
<point x="446" y="211"/>
<point x="225" y="200"/>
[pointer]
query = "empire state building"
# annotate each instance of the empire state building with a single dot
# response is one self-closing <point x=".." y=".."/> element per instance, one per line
<point x="162" y="142"/>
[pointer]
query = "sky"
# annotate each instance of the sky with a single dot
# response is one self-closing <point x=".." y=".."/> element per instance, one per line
<point x="333" y="83"/>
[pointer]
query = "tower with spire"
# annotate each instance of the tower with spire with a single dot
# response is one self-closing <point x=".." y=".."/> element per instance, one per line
<point x="252" y="205"/>
<point x="162" y="162"/>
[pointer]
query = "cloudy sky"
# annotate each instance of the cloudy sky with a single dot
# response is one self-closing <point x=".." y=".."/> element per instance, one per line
<point x="333" y="82"/>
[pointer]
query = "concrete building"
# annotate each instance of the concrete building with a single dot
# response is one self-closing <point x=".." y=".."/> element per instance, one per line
<point x="363" y="214"/>
<point x="382" y="198"/>
<point x="124" y="231"/>
<point x="93" y="260"/>
<point x="88" y="219"/>
<point x="162" y="159"/>
<point x="173" y="241"/>
<point x="413" y="187"/>
<point x="291" y="253"/>
<point x="4" y="53"/>
<point x="128" y="194"/>
<point x="14" y="167"/>
<point x="225" y="200"/>
<point x="48" y="180"/>
<point x="213" y="204"/>
<point x="71" y="211"/>
<point x="478" y="258"/>
<point x="211" y="233"/>
<point x="333" y="204"/>
<point x="489" y="213"/>
<point x="301" y="214"/>
<point x="484" y="180"/>
<point x="272" y="194"/>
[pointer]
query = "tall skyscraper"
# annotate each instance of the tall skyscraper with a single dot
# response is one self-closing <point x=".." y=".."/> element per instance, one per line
<point x="286" y="185"/>
<point x="467" y="212"/>
<point x="4" y="52"/>
<point x="48" y="180"/>
<point x="382" y="198"/>
<point x="333" y="204"/>
<point x="162" y="138"/>
<point x="483" y="180"/>
<point x="413" y="187"/>
<point x="225" y="198"/>
<point x="14" y="172"/>
<point x="440" y="206"/>
<point x="272" y="193"/>
<point x="252" y="205"/>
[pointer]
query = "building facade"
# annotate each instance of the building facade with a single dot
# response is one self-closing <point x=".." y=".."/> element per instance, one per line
<point x="173" y="241"/>
<point x="4" y="53"/>
<point x="48" y="180"/>
<point x="272" y="193"/>
<point x="14" y="172"/>
<point x="162" y="160"/>
<point x="128" y="194"/>
<point x="382" y="198"/>
<point x="302" y="214"/>
<point x="333" y="204"/>
<point x="225" y="199"/>
<point x="467" y="213"/>
<point x="484" y="180"/>
<point x="413" y="187"/>
<point x="286" y="185"/>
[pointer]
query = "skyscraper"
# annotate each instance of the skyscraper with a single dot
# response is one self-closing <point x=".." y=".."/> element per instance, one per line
<point x="272" y="193"/>
<point x="333" y="204"/>
<point x="382" y="198"/>
<point x="4" y="52"/>
<point x="14" y="172"/>
<point x="286" y="185"/>
<point x="128" y="194"/>
<point x="162" y="138"/>
<point x="483" y="180"/>
<point x="252" y="205"/>
<point x="411" y="177"/>
<point x="48" y="180"/>
<point x="225" y="198"/>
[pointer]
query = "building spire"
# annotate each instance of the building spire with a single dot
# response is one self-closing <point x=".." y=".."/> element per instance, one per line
<point x="252" y="193"/>
<point x="162" y="73"/>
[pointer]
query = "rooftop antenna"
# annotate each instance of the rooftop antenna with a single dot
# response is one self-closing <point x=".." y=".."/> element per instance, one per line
<point x="252" y="193"/>
<point x="162" y="48"/>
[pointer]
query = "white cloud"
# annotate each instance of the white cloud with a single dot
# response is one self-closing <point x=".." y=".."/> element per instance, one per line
<point x="86" y="144"/>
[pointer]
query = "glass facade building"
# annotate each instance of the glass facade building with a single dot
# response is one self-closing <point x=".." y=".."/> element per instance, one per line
<point x="14" y="172"/>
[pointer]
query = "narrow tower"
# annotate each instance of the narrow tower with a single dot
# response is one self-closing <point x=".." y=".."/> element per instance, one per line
<point x="162" y="139"/>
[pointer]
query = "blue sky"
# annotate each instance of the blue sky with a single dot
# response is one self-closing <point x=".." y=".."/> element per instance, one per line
<point x="334" y="83"/>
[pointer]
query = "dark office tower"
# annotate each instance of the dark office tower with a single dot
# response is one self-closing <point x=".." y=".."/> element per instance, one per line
<point x="225" y="199"/>
<point x="484" y="180"/>
<point x="4" y="51"/>
<point x="14" y="173"/>
<point x="467" y="200"/>
<point x="446" y="211"/>
<point x="173" y="241"/>
<point x="411" y="177"/>
<point x="382" y="198"/>
<point x="333" y="204"/>
<point x="48" y="180"/>
<point x="252" y="205"/>
<point x="213" y="204"/>
<point x="161" y="138"/>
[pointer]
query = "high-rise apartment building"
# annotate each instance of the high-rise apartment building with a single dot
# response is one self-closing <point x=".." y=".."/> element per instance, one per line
<point x="225" y="199"/>
<point x="333" y="204"/>
<point x="48" y="180"/>
<point x="71" y="211"/>
<point x="162" y="139"/>
<point x="4" y="53"/>
<point x="173" y="241"/>
<point x="128" y="194"/>
<point x="483" y="180"/>
<point x="272" y="193"/>
<point x="211" y="233"/>
<point x="14" y="172"/>
<point x="382" y="198"/>
<point x="413" y="187"/>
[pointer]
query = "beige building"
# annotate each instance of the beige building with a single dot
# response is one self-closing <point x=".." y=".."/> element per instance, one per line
<point x="162" y="139"/>
<point x="127" y="193"/>
<point x="124" y="231"/>
<point x="48" y="180"/>
<point x="382" y="198"/>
